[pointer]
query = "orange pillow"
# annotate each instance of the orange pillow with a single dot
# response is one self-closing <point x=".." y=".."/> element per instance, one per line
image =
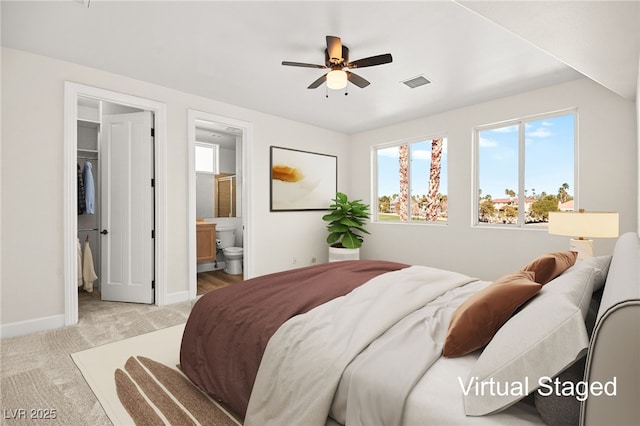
<point x="550" y="265"/>
<point x="479" y="317"/>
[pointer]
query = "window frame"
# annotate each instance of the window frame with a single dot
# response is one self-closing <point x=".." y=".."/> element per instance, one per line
<point x="521" y="123"/>
<point x="375" y="210"/>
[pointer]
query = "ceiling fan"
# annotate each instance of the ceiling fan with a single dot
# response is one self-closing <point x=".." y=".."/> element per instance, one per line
<point x="336" y="59"/>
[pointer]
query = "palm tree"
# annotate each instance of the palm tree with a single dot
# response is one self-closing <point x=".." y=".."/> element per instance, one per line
<point x="433" y="202"/>
<point x="404" y="182"/>
<point x="563" y="195"/>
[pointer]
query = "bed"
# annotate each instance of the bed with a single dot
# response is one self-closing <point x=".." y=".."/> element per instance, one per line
<point x="376" y="342"/>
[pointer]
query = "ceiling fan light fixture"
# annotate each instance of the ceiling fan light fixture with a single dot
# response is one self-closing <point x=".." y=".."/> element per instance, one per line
<point x="337" y="79"/>
<point x="336" y="60"/>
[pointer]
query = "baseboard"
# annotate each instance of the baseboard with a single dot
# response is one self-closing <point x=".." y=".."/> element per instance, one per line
<point x="177" y="297"/>
<point x="22" y="328"/>
<point x="207" y="267"/>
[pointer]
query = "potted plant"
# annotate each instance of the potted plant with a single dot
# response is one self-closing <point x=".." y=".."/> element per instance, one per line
<point x="346" y="224"/>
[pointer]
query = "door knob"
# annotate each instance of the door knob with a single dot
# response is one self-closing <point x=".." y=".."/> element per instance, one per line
<point x="104" y="232"/>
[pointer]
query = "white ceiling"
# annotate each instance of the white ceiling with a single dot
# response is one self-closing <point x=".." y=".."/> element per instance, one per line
<point x="232" y="51"/>
<point x="217" y="133"/>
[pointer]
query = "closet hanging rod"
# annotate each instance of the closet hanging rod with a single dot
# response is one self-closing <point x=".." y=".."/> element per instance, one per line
<point x="88" y="229"/>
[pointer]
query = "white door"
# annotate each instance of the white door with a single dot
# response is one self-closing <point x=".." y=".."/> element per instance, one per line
<point x="126" y="152"/>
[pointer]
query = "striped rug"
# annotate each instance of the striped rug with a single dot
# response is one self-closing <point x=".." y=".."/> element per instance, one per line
<point x="137" y="382"/>
<point x="155" y="394"/>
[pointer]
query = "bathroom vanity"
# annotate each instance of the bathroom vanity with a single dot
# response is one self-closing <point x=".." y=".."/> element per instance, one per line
<point x="206" y="242"/>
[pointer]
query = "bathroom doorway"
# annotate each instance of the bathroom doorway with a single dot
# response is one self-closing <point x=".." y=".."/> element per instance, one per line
<point x="218" y="213"/>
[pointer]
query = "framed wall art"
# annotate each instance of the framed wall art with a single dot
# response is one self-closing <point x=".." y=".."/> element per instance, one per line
<point x="302" y="180"/>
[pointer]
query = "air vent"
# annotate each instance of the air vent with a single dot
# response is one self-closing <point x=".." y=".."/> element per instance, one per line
<point x="418" y="81"/>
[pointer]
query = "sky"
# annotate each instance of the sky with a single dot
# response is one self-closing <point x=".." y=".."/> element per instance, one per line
<point x="549" y="153"/>
<point x="420" y="154"/>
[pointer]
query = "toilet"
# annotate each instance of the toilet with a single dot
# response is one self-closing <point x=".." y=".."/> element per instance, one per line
<point x="225" y="240"/>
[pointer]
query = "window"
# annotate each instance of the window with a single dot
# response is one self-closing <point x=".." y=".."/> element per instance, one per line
<point x="206" y="158"/>
<point x="525" y="169"/>
<point x="412" y="181"/>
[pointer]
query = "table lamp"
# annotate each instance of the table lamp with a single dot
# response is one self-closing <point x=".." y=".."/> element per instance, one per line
<point x="582" y="225"/>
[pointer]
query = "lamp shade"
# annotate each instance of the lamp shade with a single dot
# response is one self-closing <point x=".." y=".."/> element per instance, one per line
<point x="584" y="224"/>
<point x="337" y="79"/>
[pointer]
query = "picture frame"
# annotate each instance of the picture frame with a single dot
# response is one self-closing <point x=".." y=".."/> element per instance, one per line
<point x="301" y="180"/>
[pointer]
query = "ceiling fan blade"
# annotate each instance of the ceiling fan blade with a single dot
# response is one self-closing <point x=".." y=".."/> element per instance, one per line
<point x="318" y="82"/>
<point x="301" y="64"/>
<point x="371" y="61"/>
<point x="357" y="80"/>
<point x="334" y="47"/>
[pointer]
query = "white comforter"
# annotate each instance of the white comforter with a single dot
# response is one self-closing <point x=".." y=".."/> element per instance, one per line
<point x="299" y="380"/>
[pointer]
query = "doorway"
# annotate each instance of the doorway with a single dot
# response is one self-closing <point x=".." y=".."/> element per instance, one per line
<point x="157" y="265"/>
<point x="218" y="152"/>
<point x="115" y="201"/>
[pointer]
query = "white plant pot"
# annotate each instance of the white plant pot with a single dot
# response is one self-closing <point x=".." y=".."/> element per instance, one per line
<point x="337" y="254"/>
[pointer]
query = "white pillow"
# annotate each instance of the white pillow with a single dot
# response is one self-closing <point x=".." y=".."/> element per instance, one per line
<point x="600" y="263"/>
<point x="545" y="337"/>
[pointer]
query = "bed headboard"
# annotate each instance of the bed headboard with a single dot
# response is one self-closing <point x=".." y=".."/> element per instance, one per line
<point x="614" y="350"/>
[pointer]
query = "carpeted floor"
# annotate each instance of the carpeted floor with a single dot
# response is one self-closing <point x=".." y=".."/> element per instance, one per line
<point x="39" y="378"/>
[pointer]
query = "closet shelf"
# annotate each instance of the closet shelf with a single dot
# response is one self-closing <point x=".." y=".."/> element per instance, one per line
<point x="93" y="151"/>
<point x="88" y="123"/>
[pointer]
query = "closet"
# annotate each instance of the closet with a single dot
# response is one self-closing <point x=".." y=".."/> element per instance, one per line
<point x="93" y="119"/>
<point x="88" y="199"/>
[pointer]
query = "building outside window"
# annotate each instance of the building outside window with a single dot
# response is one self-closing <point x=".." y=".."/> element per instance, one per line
<point x="525" y="169"/>
<point x="412" y="181"/>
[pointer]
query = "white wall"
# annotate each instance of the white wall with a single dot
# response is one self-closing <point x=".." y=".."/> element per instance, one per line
<point x="205" y="203"/>
<point x="32" y="186"/>
<point x="638" y="143"/>
<point x="227" y="160"/>
<point x="607" y="180"/>
<point x="32" y="140"/>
